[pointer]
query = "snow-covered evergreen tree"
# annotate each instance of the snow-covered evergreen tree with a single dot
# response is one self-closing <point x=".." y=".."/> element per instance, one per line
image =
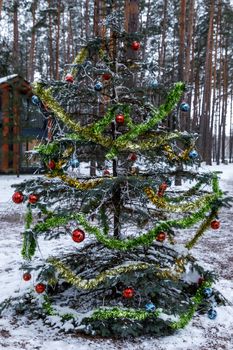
<point x="109" y="163"/>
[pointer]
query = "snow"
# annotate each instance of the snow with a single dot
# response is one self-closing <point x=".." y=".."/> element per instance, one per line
<point x="213" y="251"/>
<point x="8" y="77"/>
<point x="5" y="185"/>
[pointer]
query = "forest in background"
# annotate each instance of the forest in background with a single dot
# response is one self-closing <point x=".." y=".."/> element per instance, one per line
<point x="183" y="40"/>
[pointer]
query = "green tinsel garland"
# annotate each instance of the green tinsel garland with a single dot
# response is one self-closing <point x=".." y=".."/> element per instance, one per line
<point x="93" y="132"/>
<point x="173" y="98"/>
<point x="109" y="116"/>
<point x="28" y="218"/>
<point x="197" y="300"/>
<point x="139" y="315"/>
<point x="145" y="239"/>
<point x="29" y="243"/>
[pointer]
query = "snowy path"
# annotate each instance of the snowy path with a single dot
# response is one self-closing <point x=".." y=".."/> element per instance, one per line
<point x="214" y="251"/>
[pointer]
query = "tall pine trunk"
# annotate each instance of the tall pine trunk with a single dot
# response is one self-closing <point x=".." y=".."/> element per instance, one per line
<point x="225" y="102"/>
<point x="31" y="69"/>
<point x="213" y="123"/>
<point x="50" y="38"/>
<point x="205" y="140"/>
<point x="162" y="52"/>
<point x="58" y="39"/>
<point x="16" y="37"/>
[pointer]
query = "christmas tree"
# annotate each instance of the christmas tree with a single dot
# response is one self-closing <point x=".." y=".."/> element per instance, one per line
<point x="109" y="164"/>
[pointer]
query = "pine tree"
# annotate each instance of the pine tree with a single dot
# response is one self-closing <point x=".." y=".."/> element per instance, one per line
<point x="124" y="274"/>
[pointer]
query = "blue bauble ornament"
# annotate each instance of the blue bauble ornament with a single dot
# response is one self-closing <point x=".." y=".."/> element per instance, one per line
<point x="98" y="86"/>
<point x="193" y="154"/>
<point x="212" y="314"/>
<point x="74" y="163"/>
<point x="150" y="307"/>
<point x="208" y="292"/>
<point x="35" y="100"/>
<point x="184" y="107"/>
<point x="154" y="84"/>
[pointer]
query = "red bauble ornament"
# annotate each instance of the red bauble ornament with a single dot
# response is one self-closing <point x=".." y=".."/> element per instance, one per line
<point x="33" y="198"/>
<point x="17" y="197"/>
<point x="160" y="194"/>
<point x="40" y="288"/>
<point x="51" y="165"/>
<point x="135" y="45"/>
<point x="215" y="224"/>
<point x="106" y="172"/>
<point x="120" y="118"/>
<point x="161" y="237"/>
<point x="78" y="235"/>
<point x="163" y="186"/>
<point x="133" y="157"/>
<point x="69" y="78"/>
<point x="106" y="76"/>
<point x="27" y="276"/>
<point x="128" y="293"/>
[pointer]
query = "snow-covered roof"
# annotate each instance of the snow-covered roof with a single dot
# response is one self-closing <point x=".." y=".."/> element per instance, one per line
<point x="9" y="77"/>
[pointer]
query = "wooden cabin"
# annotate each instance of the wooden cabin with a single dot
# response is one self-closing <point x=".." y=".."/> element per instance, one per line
<point x="22" y="126"/>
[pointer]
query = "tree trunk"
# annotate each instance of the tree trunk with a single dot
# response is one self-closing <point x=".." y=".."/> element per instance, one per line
<point x="131" y="26"/>
<point x="225" y="100"/>
<point x="51" y="61"/>
<point x="181" y="57"/>
<point x="213" y="117"/>
<point x="99" y="31"/>
<point x="189" y="41"/>
<point x="189" y="46"/>
<point x="31" y="69"/>
<point x="16" y="37"/>
<point x="58" y="39"/>
<point x="182" y="20"/>
<point x="87" y="23"/>
<point x="205" y="140"/>
<point x="162" y="52"/>
<point x="64" y="41"/>
<point x="231" y="128"/>
<point x="1" y="2"/>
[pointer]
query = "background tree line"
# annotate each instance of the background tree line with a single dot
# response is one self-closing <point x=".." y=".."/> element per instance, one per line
<point x="188" y="40"/>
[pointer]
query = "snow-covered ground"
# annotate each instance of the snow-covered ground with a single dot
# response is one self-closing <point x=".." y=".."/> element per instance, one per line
<point x="214" y="251"/>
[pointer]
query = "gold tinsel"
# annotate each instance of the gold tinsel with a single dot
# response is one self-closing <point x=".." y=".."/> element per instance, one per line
<point x="160" y="202"/>
<point x="81" y="283"/>
<point x="204" y="226"/>
<point x="172" y="156"/>
<point x="84" y="185"/>
<point x="180" y="265"/>
<point x="79" y="59"/>
<point x="85" y="132"/>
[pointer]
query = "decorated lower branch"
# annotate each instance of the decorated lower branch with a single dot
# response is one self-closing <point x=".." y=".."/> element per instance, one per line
<point x="109" y="293"/>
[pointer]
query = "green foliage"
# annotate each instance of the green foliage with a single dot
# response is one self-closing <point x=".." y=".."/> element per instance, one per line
<point x="28" y="218"/>
<point x="29" y="245"/>
<point x="48" y="150"/>
<point x="47" y="306"/>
